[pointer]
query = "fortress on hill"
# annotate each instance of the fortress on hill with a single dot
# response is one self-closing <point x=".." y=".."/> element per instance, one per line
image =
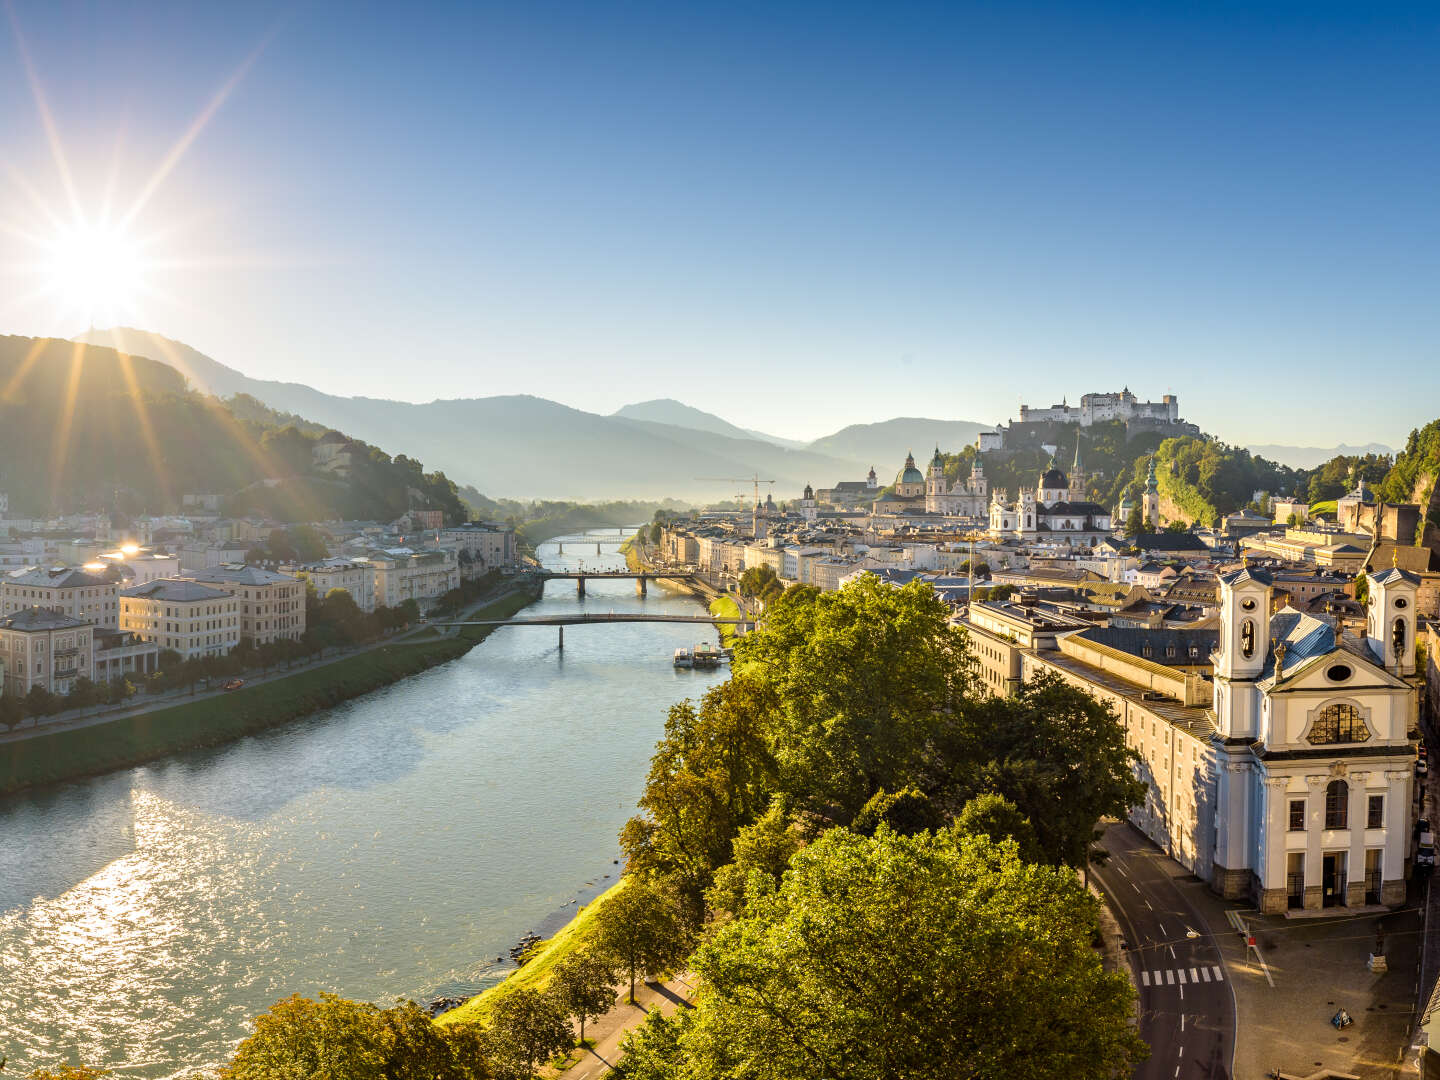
<point x="1138" y="416"/>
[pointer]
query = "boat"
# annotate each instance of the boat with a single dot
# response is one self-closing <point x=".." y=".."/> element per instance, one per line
<point x="701" y="656"/>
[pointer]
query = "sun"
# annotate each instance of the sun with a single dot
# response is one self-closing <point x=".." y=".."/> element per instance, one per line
<point x="95" y="270"/>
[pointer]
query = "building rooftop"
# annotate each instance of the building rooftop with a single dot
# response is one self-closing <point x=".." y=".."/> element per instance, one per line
<point x="176" y="591"/>
<point x="58" y="577"/>
<point x="33" y="620"/>
<point x="238" y="574"/>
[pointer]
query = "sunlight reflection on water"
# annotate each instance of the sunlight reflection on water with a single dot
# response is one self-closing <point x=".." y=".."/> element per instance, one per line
<point x="390" y="847"/>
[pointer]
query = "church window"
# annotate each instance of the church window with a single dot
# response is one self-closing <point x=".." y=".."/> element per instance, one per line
<point x="1338" y="724"/>
<point x="1247" y="638"/>
<point x="1375" y="812"/>
<point x="1297" y="815"/>
<point x="1399" y="636"/>
<point x="1337" y="805"/>
<point x="1400" y="603"/>
<point x="1248" y="605"/>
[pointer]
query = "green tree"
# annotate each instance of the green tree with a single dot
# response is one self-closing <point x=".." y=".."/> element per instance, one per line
<point x="639" y="930"/>
<point x="40" y="702"/>
<point x="998" y="819"/>
<point x="583" y="985"/>
<point x="893" y="957"/>
<point x="764" y="848"/>
<point x="527" y="1028"/>
<point x="12" y="711"/>
<point x="762" y="583"/>
<point x="67" y="1072"/>
<point x="906" y="812"/>
<point x="863" y="677"/>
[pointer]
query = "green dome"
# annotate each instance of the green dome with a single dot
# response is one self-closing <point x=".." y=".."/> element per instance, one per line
<point x="911" y="475"/>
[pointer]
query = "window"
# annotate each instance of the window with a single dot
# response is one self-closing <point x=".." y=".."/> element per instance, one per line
<point x="1375" y="812"/>
<point x="1337" y="803"/>
<point x="1247" y="638"/>
<point x="1297" y="815"/>
<point x="1338" y="724"/>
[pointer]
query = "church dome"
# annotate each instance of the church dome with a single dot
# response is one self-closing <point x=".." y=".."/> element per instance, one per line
<point x="910" y="474"/>
<point x="1054" y="478"/>
<point x="937" y="462"/>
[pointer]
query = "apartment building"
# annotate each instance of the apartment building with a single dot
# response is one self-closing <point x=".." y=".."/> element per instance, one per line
<point x="272" y="605"/>
<point x="85" y="595"/>
<point x="355" y="576"/>
<point x="191" y="618"/>
<point x="40" y="647"/>
<point x="408" y="575"/>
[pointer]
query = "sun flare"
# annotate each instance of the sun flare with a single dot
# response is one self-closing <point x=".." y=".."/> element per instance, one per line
<point x="95" y="271"/>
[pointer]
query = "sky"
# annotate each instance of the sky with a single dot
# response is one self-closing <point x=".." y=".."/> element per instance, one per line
<point x="796" y="215"/>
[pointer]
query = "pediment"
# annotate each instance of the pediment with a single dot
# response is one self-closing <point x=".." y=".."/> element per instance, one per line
<point x="1338" y="670"/>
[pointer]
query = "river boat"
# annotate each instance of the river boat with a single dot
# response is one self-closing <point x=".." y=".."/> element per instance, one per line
<point x="701" y="656"/>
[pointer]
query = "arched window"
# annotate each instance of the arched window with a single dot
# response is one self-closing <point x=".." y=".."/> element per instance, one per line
<point x="1338" y="724"/>
<point x="1337" y="803"/>
<point x="1399" y="639"/>
<point x="1247" y="638"/>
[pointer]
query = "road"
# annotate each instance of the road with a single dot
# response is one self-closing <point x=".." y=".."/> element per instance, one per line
<point x="1187" y="1007"/>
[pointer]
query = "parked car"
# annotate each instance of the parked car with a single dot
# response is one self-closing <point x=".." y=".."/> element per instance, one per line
<point x="1422" y="825"/>
<point x="1425" y="856"/>
<point x="1422" y="752"/>
<point x="233" y="684"/>
<point x="1422" y="767"/>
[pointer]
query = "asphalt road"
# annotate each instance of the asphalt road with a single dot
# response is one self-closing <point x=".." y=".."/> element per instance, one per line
<point x="1187" y="1008"/>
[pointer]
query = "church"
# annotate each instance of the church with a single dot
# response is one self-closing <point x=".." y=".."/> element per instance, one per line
<point x="966" y="498"/>
<point x="1057" y="511"/>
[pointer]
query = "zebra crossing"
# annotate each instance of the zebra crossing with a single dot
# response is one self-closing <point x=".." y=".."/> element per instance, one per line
<point x="1179" y="977"/>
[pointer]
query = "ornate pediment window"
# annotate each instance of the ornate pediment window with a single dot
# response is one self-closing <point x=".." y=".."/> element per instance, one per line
<point x="1338" y="723"/>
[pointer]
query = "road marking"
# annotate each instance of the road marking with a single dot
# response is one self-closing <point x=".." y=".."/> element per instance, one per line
<point x="1194" y="977"/>
<point x="1157" y="977"/>
<point x="1149" y="905"/>
<point x="1169" y="978"/>
<point x="1205" y="972"/>
<point x="1182" y="1021"/>
<point x="1172" y="952"/>
<point x="1134" y="886"/>
<point x="1219" y="975"/>
<point x="1181" y="973"/>
<point x="1182" y="993"/>
<point x="1182" y="1051"/>
<point x="1163" y="931"/>
<point x="1145" y="977"/>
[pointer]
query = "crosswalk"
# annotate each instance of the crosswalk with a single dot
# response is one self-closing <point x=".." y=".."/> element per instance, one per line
<point x="1181" y="976"/>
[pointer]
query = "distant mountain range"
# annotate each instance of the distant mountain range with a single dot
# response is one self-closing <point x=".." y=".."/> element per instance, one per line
<point x="521" y="446"/>
<point x="1308" y="457"/>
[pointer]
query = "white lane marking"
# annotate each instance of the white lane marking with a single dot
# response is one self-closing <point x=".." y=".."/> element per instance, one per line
<point x="1157" y="976"/>
<point x="1134" y="886"/>
<point x="1194" y="977"/>
<point x="1172" y="952"/>
<point x="1181" y="974"/>
<point x="1182" y="993"/>
<point x="1145" y="977"/>
<point x="1170" y="978"/>
<point x="1149" y="905"/>
<point x="1182" y="1021"/>
<point x="1163" y="931"/>
<point x="1206" y="973"/>
<point x="1219" y="975"/>
<point x="1182" y="1051"/>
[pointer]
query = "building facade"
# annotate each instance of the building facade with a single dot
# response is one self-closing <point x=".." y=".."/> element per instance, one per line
<point x="272" y="605"/>
<point x="44" y="648"/>
<point x="173" y="613"/>
<point x="77" y="593"/>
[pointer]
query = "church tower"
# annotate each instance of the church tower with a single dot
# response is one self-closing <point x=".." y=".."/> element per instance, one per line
<point x="935" y="484"/>
<point x="1240" y="655"/>
<point x="808" y="509"/>
<point x="1390" y="621"/>
<point x="1150" y="501"/>
<point x="871" y="481"/>
<point x="1077" y="474"/>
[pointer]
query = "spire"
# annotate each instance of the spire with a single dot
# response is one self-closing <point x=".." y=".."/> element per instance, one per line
<point x="1078" y="466"/>
<point x="1150" y="486"/>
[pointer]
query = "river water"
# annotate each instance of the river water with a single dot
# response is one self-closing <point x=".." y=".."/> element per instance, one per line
<point x="392" y="847"/>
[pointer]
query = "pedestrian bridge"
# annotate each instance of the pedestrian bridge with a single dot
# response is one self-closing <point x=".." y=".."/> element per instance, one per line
<point x="640" y="577"/>
<point x="583" y="618"/>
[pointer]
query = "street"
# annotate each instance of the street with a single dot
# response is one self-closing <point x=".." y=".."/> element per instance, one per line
<point x="1187" y="1008"/>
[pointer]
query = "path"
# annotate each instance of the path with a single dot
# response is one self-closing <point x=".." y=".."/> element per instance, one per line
<point x="610" y="1029"/>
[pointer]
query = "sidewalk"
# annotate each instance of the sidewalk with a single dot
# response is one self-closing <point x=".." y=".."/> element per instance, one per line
<point x="607" y="1031"/>
<point x="1316" y="966"/>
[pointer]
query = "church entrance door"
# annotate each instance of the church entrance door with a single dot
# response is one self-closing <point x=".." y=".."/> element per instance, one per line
<point x="1333" y="873"/>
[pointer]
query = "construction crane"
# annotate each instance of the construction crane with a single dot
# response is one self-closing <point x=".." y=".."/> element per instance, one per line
<point x="755" y="480"/>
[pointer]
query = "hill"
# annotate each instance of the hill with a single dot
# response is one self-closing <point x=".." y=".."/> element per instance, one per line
<point x="84" y="426"/>
<point x="1310" y="457"/>
<point x="678" y="414"/>
<point x="884" y="444"/>
<point x="518" y="445"/>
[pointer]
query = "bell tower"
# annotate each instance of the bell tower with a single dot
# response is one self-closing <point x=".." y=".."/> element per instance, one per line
<point x="1240" y="656"/>
<point x="1390" y="622"/>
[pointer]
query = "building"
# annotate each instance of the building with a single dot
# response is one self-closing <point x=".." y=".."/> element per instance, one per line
<point x="479" y="546"/>
<point x="190" y="618"/>
<point x="965" y="498"/>
<point x="848" y="494"/>
<point x="809" y="506"/>
<point x="355" y="576"/>
<point x="1280" y="765"/>
<point x="908" y="492"/>
<point x="1098" y="408"/>
<point x="89" y="596"/>
<point x="1050" y="513"/>
<point x="402" y="575"/>
<point x="44" y="648"/>
<point x="272" y="605"/>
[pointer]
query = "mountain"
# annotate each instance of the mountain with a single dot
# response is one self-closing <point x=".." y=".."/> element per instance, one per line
<point x="678" y="414"/>
<point x="84" y="426"/>
<point x="1310" y="457"/>
<point x="522" y="446"/>
<point x="884" y="444"/>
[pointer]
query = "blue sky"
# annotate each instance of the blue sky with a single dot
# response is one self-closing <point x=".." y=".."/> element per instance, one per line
<point x="799" y="216"/>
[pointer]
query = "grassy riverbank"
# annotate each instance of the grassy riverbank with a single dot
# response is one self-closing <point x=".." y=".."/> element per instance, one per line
<point x="131" y="740"/>
<point x="572" y="938"/>
<point x="725" y="608"/>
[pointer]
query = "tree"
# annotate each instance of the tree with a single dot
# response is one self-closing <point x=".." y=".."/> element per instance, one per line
<point x="762" y="583"/>
<point x="1137" y="524"/>
<point x="528" y="1029"/>
<point x="12" y="711"/>
<point x="880" y="957"/>
<point x="67" y="1072"/>
<point x="906" y="812"/>
<point x="584" y="986"/>
<point x="862" y="677"/>
<point x="40" y="702"/>
<point x="336" y="1039"/>
<point x="998" y="819"/>
<point x="638" y="929"/>
<point x="762" y="849"/>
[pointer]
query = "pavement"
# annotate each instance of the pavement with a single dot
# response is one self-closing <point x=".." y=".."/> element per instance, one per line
<point x="1273" y="1007"/>
<point x="1187" y="1008"/>
<point x="608" y="1031"/>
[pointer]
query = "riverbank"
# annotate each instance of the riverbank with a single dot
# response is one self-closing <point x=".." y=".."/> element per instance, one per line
<point x="133" y="739"/>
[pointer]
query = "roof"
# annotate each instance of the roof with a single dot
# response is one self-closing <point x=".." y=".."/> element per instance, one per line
<point x="33" y="620"/>
<point x="1054" y="478"/>
<point x="1244" y="574"/>
<point x="1089" y="508"/>
<point x="1168" y="541"/>
<point x="1160" y="643"/>
<point x="1393" y="575"/>
<point x="241" y="574"/>
<point x="58" y="577"/>
<point x="176" y="591"/>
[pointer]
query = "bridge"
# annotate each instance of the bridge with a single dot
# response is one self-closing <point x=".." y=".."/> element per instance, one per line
<point x="640" y="577"/>
<point x="619" y="538"/>
<point x="582" y="618"/>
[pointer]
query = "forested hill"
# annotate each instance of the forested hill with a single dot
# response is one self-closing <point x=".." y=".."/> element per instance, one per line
<point x="84" y="427"/>
<point x="1413" y="478"/>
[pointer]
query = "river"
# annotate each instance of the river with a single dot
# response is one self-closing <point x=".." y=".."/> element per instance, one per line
<point x="392" y="847"/>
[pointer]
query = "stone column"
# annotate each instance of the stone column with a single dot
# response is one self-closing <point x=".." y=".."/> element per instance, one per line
<point x="1271" y="861"/>
<point x="1397" y="836"/>
<point x="1315" y="825"/>
<point x="1355" y="860"/>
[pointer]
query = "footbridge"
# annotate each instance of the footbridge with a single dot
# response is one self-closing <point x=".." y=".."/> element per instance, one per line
<point x="640" y="577"/>
<point x="584" y="618"/>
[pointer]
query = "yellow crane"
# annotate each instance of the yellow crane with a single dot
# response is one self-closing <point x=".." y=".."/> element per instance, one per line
<point x="755" y="480"/>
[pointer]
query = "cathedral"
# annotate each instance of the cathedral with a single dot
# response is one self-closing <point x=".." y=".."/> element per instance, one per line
<point x="967" y="498"/>
<point x="1057" y="511"/>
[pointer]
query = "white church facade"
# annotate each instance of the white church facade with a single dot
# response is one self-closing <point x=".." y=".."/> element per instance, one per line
<point x="1056" y="511"/>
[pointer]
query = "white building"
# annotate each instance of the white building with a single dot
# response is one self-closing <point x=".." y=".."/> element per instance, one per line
<point x="355" y="576"/>
<point x="479" y="546"/>
<point x="190" y="618"/>
<point x="80" y="594"/>
<point x="1098" y="408"/>
<point x="965" y="498"/>
<point x="40" y="647"/>
<point x="1056" y="512"/>
<point x="402" y="575"/>
<point x="272" y="605"/>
